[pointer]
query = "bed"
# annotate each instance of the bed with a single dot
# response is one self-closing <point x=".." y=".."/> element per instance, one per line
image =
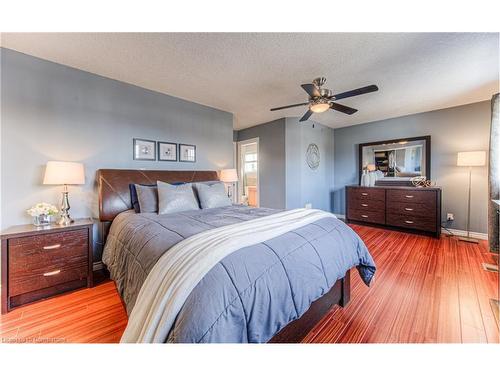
<point x="269" y="291"/>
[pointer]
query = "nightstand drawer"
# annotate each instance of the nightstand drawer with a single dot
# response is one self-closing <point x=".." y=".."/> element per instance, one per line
<point x="21" y="283"/>
<point x="41" y="248"/>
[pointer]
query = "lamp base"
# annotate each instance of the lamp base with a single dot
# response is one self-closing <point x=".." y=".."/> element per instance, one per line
<point x="65" y="220"/>
<point x="468" y="239"/>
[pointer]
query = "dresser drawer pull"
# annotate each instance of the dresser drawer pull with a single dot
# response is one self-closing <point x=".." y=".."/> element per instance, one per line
<point x="52" y="273"/>
<point x="364" y="216"/>
<point x="364" y="204"/>
<point x="409" y="196"/>
<point x="408" y="222"/>
<point x="364" y="194"/>
<point x="408" y="209"/>
<point x="50" y="247"/>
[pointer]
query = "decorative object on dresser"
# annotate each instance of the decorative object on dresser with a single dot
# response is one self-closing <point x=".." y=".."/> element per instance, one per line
<point x="470" y="159"/>
<point x="167" y="151"/>
<point x="229" y="177"/>
<point x="187" y="153"/>
<point x="64" y="173"/>
<point x="40" y="262"/>
<point x="411" y="208"/>
<point x="396" y="161"/>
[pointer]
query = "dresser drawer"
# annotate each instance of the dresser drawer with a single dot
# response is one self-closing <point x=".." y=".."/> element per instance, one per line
<point x="411" y="196"/>
<point x="366" y="205"/>
<point x="412" y="222"/>
<point x="366" y="216"/>
<point x="366" y="194"/>
<point x="45" y="260"/>
<point x="424" y="209"/>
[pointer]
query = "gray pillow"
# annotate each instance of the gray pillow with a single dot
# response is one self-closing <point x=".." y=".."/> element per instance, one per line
<point x="147" y="196"/>
<point x="212" y="196"/>
<point x="175" y="198"/>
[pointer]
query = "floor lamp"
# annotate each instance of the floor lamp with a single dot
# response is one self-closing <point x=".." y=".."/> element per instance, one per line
<point x="470" y="159"/>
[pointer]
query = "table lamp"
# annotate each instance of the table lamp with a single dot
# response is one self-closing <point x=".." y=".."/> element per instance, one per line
<point x="470" y="159"/>
<point x="64" y="173"/>
<point x="229" y="176"/>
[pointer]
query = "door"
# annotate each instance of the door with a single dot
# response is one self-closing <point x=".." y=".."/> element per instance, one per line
<point x="248" y="166"/>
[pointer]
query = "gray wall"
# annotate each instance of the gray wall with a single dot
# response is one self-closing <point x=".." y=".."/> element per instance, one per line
<point x="53" y="112"/>
<point x="285" y="179"/>
<point x="271" y="161"/>
<point x="304" y="185"/>
<point x="463" y="128"/>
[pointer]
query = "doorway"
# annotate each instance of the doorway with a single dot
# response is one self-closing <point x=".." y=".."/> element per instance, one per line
<point x="248" y="166"/>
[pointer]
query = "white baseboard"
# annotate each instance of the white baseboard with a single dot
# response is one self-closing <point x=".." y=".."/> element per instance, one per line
<point x="463" y="233"/>
<point x="340" y="216"/>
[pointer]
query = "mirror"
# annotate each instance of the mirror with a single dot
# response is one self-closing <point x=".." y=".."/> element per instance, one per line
<point x="396" y="161"/>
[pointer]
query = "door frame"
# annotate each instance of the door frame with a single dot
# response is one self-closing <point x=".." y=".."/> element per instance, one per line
<point x="240" y="167"/>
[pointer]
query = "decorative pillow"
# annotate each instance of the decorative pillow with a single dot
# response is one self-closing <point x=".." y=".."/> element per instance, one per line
<point x="147" y="197"/>
<point x="212" y="196"/>
<point x="134" y="198"/>
<point x="176" y="198"/>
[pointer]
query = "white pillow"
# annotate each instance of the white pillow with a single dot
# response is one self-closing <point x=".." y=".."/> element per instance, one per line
<point x="175" y="198"/>
<point x="212" y="196"/>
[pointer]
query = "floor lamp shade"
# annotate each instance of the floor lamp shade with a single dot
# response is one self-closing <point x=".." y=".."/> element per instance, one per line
<point x="471" y="159"/>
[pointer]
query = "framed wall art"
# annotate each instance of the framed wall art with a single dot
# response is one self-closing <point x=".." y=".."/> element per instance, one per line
<point x="167" y="151"/>
<point x="187" y="153"/>
<point x="144" y="149"/>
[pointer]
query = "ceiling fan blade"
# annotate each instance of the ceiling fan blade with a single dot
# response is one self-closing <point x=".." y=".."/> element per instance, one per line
<point x="343" y="108"/>
<point x="289" y="106"/>
<point x="311" y="89"/>
<point x="360" y="91"/>
<point x="306" y="115"/>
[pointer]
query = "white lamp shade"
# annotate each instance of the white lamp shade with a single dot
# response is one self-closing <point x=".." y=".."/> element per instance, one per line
<point x="228" y="175"/>
<point x="471" y="159"/>
<point x="64" y="173"/>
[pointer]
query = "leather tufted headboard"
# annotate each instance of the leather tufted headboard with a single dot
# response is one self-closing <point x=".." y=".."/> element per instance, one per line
<point x="113" y="186"/>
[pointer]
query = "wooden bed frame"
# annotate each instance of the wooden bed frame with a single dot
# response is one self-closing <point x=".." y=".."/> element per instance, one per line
<point x="114" y="197"/>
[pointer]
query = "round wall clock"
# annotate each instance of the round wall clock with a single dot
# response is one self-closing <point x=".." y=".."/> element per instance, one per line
<point x="312" y="156"/>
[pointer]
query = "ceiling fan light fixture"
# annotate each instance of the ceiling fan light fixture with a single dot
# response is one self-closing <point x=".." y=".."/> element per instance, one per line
<point x="319" y="107"/>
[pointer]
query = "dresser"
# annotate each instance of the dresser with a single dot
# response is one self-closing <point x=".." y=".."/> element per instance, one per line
<point x="403" y="207"/>
<point x="40" y="262"/>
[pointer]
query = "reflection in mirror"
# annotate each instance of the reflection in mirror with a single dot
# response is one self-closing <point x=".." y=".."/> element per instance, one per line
<point x="396" y="161"/>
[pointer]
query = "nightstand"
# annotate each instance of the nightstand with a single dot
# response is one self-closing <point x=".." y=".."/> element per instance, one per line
<point x="41" y="262"/>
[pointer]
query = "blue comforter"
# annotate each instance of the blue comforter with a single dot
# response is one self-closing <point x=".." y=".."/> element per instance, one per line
<point x="252" y="293"/>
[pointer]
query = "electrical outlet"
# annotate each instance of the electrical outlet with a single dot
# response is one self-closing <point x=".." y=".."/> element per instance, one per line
<point x="450" y="217"/>
<point x="309" y="205"/>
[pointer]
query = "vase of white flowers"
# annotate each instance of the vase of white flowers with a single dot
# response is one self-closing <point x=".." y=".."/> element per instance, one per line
<point x="42" y="213"/>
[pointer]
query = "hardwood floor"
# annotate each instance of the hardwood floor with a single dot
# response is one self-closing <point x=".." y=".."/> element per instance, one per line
<point x="426" y="291"/>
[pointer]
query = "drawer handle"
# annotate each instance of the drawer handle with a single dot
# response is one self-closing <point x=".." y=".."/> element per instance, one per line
<point x="364" y="204"/>
<point x="408" y="222"/>
<point x="364" y="193"/>
<point x="409" y="196"/>
<point x="364" y="215"/>
<point x="52" y="273"/>
<point x="408" y="209"/>
<point x="50" y="247"/>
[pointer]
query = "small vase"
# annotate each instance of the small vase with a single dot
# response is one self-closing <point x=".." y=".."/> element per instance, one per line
<point x="41" y="220"/>
<point x="371" y="178"/>
<point x="364" y="178"/>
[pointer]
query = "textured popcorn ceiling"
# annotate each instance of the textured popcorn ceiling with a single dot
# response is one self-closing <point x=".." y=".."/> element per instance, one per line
<point x="247" y="74"/>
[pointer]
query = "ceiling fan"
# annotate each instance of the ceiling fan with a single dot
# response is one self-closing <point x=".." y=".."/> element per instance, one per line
<point x="321" y="99"/>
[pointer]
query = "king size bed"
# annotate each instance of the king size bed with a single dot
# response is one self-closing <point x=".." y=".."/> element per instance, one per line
<point x="227" y="274"/>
